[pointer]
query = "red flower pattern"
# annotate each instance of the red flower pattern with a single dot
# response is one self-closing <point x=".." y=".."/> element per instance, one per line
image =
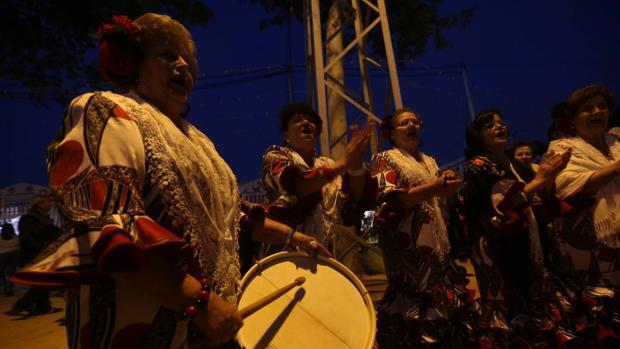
<point x="391" y="177"/>
<point x="478" y="162"/>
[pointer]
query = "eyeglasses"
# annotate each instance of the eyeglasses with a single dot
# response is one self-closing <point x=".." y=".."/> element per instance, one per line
<point x="407" y="122"/>
<point x="301" y="119"/>
<point x="491" y="124"/>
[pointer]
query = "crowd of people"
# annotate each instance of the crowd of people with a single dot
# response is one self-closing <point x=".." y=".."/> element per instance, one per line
<point x="156" y="237"/>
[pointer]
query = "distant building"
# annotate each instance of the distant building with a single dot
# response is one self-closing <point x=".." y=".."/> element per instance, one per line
<point x="253" y="191"/>
<point x="15" y="200"/>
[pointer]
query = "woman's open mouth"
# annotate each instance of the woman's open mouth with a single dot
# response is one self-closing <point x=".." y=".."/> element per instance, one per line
<point x="596" y="120"/>
<point x="178" y="82"/>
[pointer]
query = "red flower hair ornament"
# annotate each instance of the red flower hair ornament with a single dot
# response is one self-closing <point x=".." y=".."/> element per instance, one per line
<point x="119" y="53"/>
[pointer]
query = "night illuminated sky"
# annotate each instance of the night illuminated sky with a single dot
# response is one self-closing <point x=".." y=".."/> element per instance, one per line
<point x="521" y="57"/>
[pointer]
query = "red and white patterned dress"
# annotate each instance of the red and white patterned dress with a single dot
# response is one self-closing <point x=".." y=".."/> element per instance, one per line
<point x="320" y="214"/>
<point x="127" y="182"/>
<point x="426" y="303"/>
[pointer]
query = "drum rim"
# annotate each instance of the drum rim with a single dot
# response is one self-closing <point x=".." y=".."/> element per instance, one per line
<point x="265" y="262"/>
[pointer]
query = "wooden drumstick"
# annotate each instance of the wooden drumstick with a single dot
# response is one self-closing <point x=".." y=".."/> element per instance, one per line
<point x="254" y="307"/>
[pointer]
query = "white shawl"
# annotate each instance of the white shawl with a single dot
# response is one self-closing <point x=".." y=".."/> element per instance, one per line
<point x="417" y="174"/>
<point x="586" y="160"/>
<point x="320" y="222"/>
<point x="198" y="189"/>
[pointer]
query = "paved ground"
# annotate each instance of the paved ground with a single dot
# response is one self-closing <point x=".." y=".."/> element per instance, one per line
<point x="32" y="332"/>
<point x="48" y="331"/>
<point x="471" y="276"/>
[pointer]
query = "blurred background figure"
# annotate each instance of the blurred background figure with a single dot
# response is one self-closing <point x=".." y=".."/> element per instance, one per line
<point x="523" y="153"/>
<point x="36" y="232"/>
<point x="9" y="256"/>
<point x="522" y="157"/>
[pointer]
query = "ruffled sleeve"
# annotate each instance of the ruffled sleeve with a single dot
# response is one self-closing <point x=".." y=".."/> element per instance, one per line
<point x="388" y="185"/>
<point x="494" y="202"/>
<point x="510" y="204"/>
<point x="280" y="173"/>
<point x="387" y="180"/>
<point x="96" y="169"/>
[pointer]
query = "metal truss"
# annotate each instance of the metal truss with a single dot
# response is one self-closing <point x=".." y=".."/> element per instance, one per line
<point x="320" y="80"/>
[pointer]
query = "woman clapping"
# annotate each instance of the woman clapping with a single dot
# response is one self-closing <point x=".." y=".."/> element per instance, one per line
<point x="426" y="302"/>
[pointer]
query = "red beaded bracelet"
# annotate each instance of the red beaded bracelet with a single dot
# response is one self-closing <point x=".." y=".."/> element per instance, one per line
<point x="199" y="304"/>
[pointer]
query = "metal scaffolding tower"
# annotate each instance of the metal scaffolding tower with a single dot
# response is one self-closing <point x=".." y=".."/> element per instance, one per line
<point x="372" y="16"/>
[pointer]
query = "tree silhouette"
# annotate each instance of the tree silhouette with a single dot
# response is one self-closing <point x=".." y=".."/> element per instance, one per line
<point x="47" y="48"/>
<point x="413" y="23"/>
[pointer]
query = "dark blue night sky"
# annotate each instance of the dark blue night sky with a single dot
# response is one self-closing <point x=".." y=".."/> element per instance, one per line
<point x="521" y="57"/>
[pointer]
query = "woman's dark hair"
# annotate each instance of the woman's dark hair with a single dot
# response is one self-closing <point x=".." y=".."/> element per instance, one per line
<point x="122" y="50"/>
<point x="289" y="111"/>
<point x="578" y="97"/>
<point x="564" y="113"/>
<point x="560" y="126"/>
<point x="8" y="232"/>
<point x="473" y="133"/>
<point x="560" y="111"/>
<point x="386" y="123"/>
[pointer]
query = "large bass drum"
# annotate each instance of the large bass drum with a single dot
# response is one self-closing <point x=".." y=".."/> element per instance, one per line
<point x="331" y="310"/>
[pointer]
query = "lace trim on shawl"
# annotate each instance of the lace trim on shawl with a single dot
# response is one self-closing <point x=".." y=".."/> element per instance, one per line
<point x="320" y="222"/>
<point x="170" y="168"/>
<point x="415" y="174"/>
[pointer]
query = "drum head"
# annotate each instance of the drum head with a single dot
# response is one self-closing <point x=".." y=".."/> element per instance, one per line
<point x="330" y="310"/>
